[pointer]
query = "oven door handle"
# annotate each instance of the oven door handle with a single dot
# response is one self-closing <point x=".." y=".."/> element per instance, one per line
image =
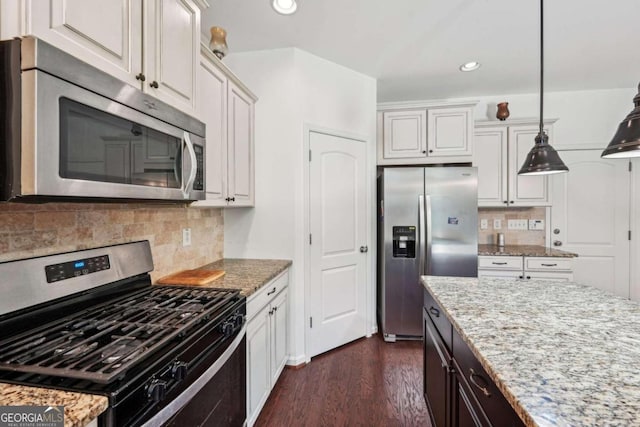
<point x="176" y="404"/>
<point x="188" y="183"/>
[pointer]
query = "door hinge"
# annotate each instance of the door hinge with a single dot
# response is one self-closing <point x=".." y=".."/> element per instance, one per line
<point x="630" y="166"/>
<point x="311" y="322"/>
<point x="309" y="238"/>
<point x="629" y="234"/>
<point x="309" y="155"/>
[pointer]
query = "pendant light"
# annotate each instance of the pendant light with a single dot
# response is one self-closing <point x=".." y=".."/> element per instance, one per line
<point x="543" y="159"/>
<point x="626" y="142"/>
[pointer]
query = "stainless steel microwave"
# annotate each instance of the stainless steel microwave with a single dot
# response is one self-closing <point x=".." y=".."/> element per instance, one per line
<point x="69" y="131"/>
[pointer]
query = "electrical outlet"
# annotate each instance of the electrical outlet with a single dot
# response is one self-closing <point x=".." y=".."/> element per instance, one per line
<point x="536" y="224"/>
<point x="517" y="224"/>
<point x="186" y="237"/>
<point x="497" y="224"/>
<point x="484" y="224"/>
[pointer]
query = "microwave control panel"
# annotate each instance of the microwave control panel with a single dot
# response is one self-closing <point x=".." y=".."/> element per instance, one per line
<point x="81" y="267"/>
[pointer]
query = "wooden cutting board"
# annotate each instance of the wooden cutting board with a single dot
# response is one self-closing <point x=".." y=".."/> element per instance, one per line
<point x="191" y="277"/>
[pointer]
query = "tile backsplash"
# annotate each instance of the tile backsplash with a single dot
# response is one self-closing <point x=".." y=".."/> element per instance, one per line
<point x="511" y="237"/>
<point x="30" y="230"/>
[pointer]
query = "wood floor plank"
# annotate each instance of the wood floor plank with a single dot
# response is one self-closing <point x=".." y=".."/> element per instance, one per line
<point x="364" y="383"/>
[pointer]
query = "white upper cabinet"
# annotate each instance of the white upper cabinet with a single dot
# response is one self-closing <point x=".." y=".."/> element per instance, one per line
<point x="240" y="146"/>
<point x="212" y="109"/>
<point x="227" y="108"/>
<point x="500" y="151"/>
<point x="490" y="157"/>
<point x="405" y="135"/>
<point x="172" y="51"/>
<point x="449" y="132"/>
<point x="150" y="44"/>
<point x="526" y="190"/>
<point x="420" y="133"/>
<point x="106" y="34"/>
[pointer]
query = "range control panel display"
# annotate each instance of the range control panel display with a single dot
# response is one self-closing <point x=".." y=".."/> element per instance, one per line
<point x="81" y="267"/>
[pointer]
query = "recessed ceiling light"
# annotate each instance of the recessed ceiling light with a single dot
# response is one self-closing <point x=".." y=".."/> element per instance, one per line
<point x="470" y="66"/>
<point x="284" y="7"/>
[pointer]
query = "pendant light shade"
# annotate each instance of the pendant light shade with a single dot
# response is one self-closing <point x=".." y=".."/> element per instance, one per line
<point x="626" y="141"/>
<point x="543" y="159"/>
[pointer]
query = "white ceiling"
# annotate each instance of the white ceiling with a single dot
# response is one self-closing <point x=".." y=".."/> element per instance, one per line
<point x="414" y="47"/>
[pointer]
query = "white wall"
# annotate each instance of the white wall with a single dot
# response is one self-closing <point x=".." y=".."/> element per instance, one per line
<point x="585" y="118"/>
<point x="295" y="89"/>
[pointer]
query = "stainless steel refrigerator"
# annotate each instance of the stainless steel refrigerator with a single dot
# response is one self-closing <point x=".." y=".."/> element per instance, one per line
<point x="427" y="225"/>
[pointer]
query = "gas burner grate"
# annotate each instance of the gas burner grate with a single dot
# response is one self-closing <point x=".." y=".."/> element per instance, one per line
<point x="101" y="343"/>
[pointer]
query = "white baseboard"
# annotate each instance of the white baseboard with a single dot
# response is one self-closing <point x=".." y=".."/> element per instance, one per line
<point x="298" y="360"/>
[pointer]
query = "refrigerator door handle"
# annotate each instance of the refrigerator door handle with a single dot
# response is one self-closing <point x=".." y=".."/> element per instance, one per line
<point x="428" y="233"/>
<point x="421" y="235"/>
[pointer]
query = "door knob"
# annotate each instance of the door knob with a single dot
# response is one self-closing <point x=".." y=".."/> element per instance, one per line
<point x="556" y="231"/>
<point x="557" y="243"/>
<point x="364" y="249"/>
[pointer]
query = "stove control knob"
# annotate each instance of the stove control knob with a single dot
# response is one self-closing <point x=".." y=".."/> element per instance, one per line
<point x="227" y="328"/>
<point x="156" y="390"/>
<point x="179" y="370"/>
<point x="238" y="320"/>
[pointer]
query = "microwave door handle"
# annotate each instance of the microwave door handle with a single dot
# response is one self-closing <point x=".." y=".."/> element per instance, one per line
<point x="194" y="166"/>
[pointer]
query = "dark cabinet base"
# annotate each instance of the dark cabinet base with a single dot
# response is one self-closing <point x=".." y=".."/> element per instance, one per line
<point x="457" y="390"/>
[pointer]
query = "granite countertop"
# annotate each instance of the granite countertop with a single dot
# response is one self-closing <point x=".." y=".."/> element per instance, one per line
<point x="247" y="275"/>
<point x="523" y="250"/>
<point x="79" y="408"/>
<point x="562" y="353"/>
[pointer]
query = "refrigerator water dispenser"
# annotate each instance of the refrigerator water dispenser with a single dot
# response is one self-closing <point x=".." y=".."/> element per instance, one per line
<point x="404" y="242"/>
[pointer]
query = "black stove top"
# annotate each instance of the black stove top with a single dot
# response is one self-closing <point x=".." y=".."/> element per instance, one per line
<point x="102" y="342"/>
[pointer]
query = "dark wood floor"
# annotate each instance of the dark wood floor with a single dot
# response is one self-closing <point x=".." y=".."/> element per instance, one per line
<point x="364" y="383"/>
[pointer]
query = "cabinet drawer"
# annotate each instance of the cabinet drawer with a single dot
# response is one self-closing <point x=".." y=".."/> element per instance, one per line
<point x="500" y="262"/>
<point x="257" y="301"/>
<point x="438" y="317"/>
<point x="548" y="264"/>
<point x="490" y="398"/>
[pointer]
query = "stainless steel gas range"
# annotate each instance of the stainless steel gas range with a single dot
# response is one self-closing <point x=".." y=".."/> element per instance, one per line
<point x="91" y="321"/>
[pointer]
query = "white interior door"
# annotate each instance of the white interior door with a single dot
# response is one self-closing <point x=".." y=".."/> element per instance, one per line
<point x="590" y="216"/>
<point x="337" y="220"/>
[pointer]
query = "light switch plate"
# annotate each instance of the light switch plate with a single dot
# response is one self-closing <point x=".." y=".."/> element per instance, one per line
<point x="484" y="224"/>
<point x="517" y="224"/>
<point x="186" y="237"/>
<point x="536" y="224"/>
<point x="497" y="224"/>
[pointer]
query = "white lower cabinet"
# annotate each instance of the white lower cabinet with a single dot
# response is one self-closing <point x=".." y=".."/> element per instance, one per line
<point x="526" y="268"/>
<point x="267" y="342"/>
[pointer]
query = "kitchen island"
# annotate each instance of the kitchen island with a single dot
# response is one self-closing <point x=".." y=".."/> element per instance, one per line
<point x="561" y="353"/>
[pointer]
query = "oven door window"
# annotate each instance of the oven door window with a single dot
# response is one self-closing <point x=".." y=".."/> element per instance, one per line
<point x="98" y="146"/>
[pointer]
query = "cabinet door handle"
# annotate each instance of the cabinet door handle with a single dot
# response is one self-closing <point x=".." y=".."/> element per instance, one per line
<point x="549" y="265"/>
<point x="505" y="202"/>
<point x="498" y="263"/>
<point x="154" y="84"/>
<point x="140" y="77"/>
<point x="434" y="311"/>
<point x="520" y="277"/>
<point x="271" y="312"/>
<point x="272" y="291"/>
<point x="472" y="375"/>
<point x="232" y="199"/>
<point x="275" y="309"/>
<point x="528" y="277"/>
